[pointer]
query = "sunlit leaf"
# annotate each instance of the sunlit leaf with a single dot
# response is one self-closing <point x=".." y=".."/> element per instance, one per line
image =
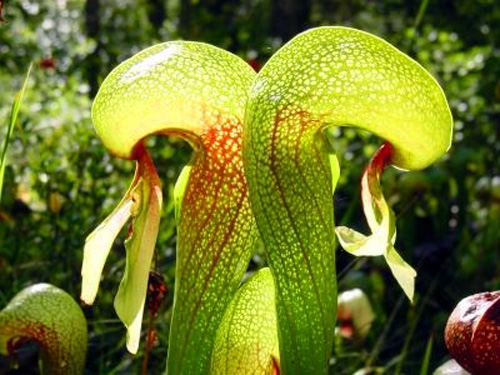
<point x="329" y="76"/>
<point x="360" y="245"/>
<point x="99" y="242"/>
<point x="403" y="273"/>
<point x="197" y="92"/>
<point x="334" y="170"/>
<point x="140" y="246"/>
<point x="180" y="189"/>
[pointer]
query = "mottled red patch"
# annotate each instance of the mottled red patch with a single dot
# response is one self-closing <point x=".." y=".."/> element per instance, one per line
<point x="220" y="168"/>
<point x="210" y="136"/>
<point x="39" y="333"/>
<point x="472" y="333"/>
<point x="486" y="341"/>
<point x="378" y="163"/>
<point x="213" y="226"/>
<point x="16" y="343"/>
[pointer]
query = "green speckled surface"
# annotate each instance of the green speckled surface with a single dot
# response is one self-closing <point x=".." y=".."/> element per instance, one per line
<point x="51" y="317"/>
<point x="247" y="339"/>
<point x="197" y="92"/>
<point x="330" y="76"/>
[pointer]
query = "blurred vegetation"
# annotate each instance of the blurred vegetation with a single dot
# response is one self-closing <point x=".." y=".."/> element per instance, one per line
<point x="60" y="182"/>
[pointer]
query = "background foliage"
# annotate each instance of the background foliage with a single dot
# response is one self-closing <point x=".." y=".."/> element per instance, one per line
<point x="60" y="182"/>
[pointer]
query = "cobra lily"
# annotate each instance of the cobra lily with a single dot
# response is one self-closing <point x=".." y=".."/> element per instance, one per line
<point x="323" y="78"/>
<point x="326" y="77"/>
<point x="49" y="316"/>
<point x="196" y="92"/>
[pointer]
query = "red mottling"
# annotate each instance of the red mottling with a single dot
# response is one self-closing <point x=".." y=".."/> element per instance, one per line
<point x="214" y="208"/>
<point x="16" y="343"/>
<point x="486" y="341"/>
<point x="44" y="336"/>
<point x="372" y="174"/>
<point x="221" y="148"/>
<point x="381" y="160"/>
<point x="472" y="333"/>
<point x="220" y="168"/>
<point x="210" y="136"/>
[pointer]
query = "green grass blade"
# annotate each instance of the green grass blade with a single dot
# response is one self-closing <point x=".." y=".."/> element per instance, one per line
<point x="10" y="128"/>
<point x="424" y="370"/>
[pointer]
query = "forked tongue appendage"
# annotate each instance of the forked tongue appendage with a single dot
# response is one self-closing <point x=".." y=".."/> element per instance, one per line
<point x="139" y="245"/>
<point x="382" y="223"/>
<point x="141" y="204"/>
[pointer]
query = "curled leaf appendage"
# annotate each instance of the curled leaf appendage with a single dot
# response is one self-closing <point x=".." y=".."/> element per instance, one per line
<point x="382" y="223"/>
<point x="196" y="92"/>
<point x="331" y="76"/>
<point x="49" y="316"/>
